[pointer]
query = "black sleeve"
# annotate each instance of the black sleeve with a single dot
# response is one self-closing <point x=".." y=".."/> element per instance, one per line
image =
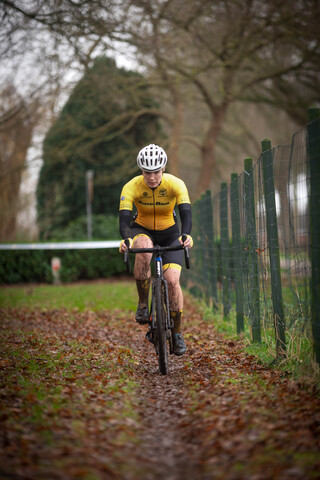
<point x="124" y="223"/>
<point x="185" y="216"/>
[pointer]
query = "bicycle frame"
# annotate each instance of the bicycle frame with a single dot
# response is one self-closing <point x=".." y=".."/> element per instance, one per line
<point x="160" y="320"/>
<point x="161" y="323"/>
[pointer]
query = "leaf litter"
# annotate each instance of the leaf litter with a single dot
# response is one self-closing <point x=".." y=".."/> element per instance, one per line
<point x="81" y="398"/>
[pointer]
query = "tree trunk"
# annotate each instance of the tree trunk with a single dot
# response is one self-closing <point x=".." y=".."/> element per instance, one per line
<point x="15" y="139"/>
<point x="208" y="150"/>
<point x="176" y="132"/>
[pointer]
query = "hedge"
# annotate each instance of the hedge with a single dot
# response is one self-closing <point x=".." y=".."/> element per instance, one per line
<point x="24" y="266"/>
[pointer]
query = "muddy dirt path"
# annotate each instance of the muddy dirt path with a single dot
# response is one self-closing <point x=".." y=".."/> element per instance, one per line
<point x="163" y="415"/>
<point x="218" y="414"/>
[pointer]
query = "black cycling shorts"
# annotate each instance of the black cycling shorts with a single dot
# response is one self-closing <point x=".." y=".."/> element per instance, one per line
<point x="169" y="236"/>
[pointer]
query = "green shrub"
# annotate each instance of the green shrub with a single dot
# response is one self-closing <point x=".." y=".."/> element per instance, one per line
<point x="104" y="227"/>
<point x="23" y="266"/>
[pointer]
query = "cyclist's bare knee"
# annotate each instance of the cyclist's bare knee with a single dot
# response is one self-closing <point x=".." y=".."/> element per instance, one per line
<point x="172" y="276"/>
<point x="142" y="241"/>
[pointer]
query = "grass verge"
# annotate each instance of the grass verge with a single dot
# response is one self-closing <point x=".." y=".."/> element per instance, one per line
<point x="299" y="363"/>
<point x="88" y="296"/>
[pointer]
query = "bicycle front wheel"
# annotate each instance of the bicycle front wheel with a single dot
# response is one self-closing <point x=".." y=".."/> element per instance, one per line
<point x="161" y="313"/>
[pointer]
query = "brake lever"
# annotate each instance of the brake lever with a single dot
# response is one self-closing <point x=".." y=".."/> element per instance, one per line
<point x="126" y="256"/>
<point x="186" y="252"/>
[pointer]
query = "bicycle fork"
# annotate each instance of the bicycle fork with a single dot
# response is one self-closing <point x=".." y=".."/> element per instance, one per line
<point x="168" y="320"/>
<point x="159" y="274"/>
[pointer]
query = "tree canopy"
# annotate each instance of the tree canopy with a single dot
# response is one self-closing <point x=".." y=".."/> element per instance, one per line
<point x="108" y="117"/>
<point x="218" y="68"/>
<point x="230" y="52"/>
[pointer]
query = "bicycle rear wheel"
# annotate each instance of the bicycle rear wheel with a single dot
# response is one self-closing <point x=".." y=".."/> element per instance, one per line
<point x="161" y="313"/>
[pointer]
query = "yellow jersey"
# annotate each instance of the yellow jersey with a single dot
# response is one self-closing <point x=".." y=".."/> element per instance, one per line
<point x="154" y="206"/>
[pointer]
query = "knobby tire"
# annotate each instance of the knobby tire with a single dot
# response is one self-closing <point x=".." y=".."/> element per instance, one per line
<point x="161" y="327"/>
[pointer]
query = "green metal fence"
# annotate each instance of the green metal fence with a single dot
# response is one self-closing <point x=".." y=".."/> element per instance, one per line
<point x="257" y="243"/>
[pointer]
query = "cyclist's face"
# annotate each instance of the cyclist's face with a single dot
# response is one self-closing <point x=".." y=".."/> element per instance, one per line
<point x="153" y="179"/>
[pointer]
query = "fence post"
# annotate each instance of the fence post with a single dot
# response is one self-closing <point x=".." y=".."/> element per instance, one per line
<point x="273" y="244"/>
<point x="224" y="247"/>
<point x="203" y="224"/>
<point x="252" y="250"/>
<point x="313" y="130"/>
<point x="212" y="265"/>
<point x="215" y="245"/>
<point x="236" y="250"/>
<point x="196" y="270"/>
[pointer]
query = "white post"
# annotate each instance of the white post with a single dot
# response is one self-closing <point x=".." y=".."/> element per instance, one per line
<point x="55" y="269"/>
<point x="89" y="200"/>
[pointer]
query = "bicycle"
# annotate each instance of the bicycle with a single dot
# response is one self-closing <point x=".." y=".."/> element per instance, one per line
<point x="160" y="324"/>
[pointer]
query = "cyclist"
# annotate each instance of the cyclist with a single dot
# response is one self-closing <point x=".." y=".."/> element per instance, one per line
<point x="155" y="194"/>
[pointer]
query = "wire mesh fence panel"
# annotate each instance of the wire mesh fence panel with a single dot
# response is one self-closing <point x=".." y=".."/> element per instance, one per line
<point x="262" y="251"/>
<point x="224" y="249"/>
<point x="236" y="264"/>
<point x="252" y="244"/>
<point x="293" y="218"/>
<point x="244" y="263"/>
<point x="217" y="242"/>
<point x="313" y="144"/>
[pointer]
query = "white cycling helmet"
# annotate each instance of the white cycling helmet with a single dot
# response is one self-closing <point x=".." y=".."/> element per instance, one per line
<point x="151" y="158"/>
